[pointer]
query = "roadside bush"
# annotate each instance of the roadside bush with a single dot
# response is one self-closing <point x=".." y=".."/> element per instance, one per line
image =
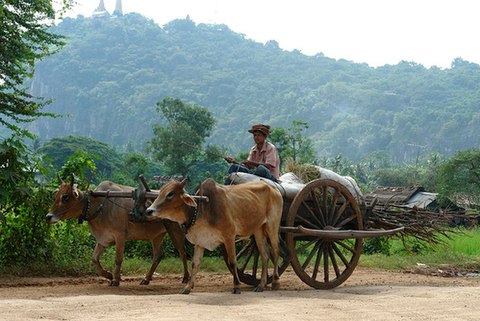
<point x="72" y="247"/>
<point x="377" y="245"/>
<point x="24" y="232"/>
<point x="143" y="249"/>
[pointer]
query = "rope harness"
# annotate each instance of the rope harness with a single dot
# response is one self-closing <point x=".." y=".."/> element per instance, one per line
<point x="86" y="216"/>
<point x="193" y="213"/>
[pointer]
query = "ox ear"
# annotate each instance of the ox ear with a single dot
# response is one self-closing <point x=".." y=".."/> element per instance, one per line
<point x="75" y="190"/>
<point x="187" y="199"/>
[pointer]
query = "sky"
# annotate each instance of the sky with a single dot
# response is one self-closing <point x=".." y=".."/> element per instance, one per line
<point x="375" y="32"/>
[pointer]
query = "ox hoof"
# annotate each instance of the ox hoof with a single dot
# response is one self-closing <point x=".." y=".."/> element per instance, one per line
<point x="185" y="291"/>
<point x="145" y="282"/>
<point x="115" y="283"/>
<point x="236" y="291"/>
<point x="275" y="286"/>
<point x="258" y="289"/>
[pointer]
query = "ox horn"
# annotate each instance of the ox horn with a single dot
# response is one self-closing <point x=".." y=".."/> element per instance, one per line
<point x="184" y="181"/>
<point x="72" y="179"/>
<point x="60" y="179"/>
<point x="90" y="179"/>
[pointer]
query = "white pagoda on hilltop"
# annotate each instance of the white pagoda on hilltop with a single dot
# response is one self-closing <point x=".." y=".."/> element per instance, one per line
<point x="102" y="12"/>
<point x="118" y="9"/>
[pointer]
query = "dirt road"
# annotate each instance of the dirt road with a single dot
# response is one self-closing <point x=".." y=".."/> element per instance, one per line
<point x="367" y="295"/>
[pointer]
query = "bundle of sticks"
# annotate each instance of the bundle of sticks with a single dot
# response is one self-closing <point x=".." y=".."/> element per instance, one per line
<point x="423" y="224"/>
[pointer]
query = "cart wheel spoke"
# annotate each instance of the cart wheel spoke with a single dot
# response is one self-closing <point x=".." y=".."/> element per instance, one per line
<point x="255" y="264"/>
<point x="325" y="201"/>
<point x="307" y="222"/>
<point x="312" y="253"/>
<point x="247" y="248"/>
<point x="345" y="246"/>
<point x="340" y="254"/>
<point x="341" y="211"/>
<point x="317" y="263"/>
<point x="249" y="261"/>
<point x="326" y="276"/>
<point x="333" y="260"/>
<point x="317" y="209"/>
<point x="333" y="207"/>
<point x="347" y="220"/>
<point x="305" y="245"/>
<point x="247" y="251"/>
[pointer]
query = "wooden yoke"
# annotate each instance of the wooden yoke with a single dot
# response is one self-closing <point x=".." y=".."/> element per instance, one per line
<point x="142" y="197"/>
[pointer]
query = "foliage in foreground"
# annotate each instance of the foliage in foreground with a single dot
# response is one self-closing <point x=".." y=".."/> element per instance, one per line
<point x="23" y="231"/>
<point x="26" y="38"/>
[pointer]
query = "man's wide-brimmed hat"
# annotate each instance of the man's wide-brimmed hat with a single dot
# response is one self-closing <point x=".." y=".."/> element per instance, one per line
<point x="265" y="129"/>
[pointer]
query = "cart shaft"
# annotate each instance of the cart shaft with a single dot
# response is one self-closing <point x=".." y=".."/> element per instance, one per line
<point x="339" y="234"/>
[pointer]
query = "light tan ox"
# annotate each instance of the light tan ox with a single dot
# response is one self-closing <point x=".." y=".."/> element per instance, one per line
<point x="236" y="210"/>
<point x="108" y="222"/>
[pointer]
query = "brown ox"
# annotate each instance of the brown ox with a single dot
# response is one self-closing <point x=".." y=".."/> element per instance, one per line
<point x="237" y="210"/>
<point x="108" y="222"/>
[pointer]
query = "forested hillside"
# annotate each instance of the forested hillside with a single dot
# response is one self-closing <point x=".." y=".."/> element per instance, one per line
<point x="114" y="69"/>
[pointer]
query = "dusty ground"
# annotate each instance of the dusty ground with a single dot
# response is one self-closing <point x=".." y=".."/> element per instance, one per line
<point x="366" y="295"/>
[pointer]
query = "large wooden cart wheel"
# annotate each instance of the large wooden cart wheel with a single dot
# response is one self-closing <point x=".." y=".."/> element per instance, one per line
<point x="324" y="262"/>
<point x="249" y="262"/>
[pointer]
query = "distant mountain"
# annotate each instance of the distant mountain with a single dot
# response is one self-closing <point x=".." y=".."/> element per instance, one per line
<point x="113" y="70"/>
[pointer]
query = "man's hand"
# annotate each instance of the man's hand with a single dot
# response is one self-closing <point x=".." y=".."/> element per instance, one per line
<point x="230" y="159"/>
<point x="249" y="164"/>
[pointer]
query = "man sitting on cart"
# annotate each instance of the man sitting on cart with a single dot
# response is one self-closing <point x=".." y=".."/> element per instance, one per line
<point x="263" y="159"/>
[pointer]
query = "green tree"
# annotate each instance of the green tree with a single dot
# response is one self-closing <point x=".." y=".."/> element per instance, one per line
<point x="25" y="39"/>
<point x="82" y="166"/>
<point x="178" y="144"/>
<point x="133" y="165"/>
<point x="293" y="143"/>
<point x="279" y="137"/>
<point x="459" y="178"/>
<point x="59" y="149"/>
<point x="301" y="145"/>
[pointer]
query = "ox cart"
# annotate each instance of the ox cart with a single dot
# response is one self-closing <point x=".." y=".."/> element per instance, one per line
<point x="323" y="226"/>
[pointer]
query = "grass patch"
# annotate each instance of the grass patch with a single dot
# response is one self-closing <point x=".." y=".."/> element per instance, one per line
<point x="75" y="268"/>
<point x="460" y="250"/>
<point x="407" y="262"/>
<point x="172" y="265"/>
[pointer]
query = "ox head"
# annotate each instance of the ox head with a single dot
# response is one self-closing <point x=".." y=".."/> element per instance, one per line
<point x="67" y="204"/>
<point x="172" y="202"/>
